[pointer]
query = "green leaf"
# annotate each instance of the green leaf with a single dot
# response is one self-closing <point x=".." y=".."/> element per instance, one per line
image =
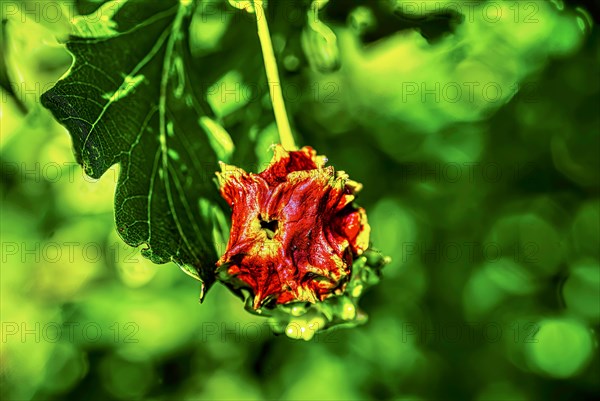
<point x="130" y="98"/>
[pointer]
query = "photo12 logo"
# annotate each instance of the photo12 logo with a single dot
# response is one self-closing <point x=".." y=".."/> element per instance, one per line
<point x="468" y="332"/>
<point x="86" y="332"/>
<point x="491" y="12"/>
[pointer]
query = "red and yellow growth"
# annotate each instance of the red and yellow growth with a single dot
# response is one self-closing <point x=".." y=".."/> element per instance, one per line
<point x="295" y="230"/>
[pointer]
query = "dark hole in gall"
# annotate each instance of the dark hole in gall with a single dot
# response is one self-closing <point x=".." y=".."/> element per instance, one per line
<point x="270" y="227"/>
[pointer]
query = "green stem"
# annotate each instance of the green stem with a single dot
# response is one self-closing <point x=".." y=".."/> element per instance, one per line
<point x="283" y="124"/>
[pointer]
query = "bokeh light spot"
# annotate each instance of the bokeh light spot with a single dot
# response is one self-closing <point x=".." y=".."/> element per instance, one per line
<point x="561" y="348"/>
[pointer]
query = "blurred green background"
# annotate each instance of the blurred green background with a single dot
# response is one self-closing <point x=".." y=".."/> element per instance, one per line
<point x="474" y="127"/>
